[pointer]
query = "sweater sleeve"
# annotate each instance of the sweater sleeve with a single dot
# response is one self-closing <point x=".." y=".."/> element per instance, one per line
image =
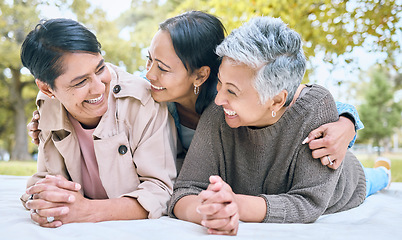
<point x="202" y="159"/>
<point x="312" y="184"/>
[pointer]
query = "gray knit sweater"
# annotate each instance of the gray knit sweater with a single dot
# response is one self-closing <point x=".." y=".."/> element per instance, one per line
<point x="272" y="163"/>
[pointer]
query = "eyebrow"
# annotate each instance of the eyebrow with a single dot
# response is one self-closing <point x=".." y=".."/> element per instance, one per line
<point x="229" y="83"/>
<point x="159" y="61"/>
<point x="101" y="62"/>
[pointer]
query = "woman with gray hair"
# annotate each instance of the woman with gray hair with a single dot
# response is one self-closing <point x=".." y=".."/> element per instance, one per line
<point x="255" y="167"/>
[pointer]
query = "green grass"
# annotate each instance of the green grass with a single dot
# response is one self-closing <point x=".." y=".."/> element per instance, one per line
<point x="396" y="163"/>
<point x="27" y="168"/>
<point x="18" y="168"/>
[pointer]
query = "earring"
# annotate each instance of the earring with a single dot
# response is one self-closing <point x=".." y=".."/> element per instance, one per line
<point x="273" y="114"/>
<point x="52" y="97"/>
<point x="196" y="90"/>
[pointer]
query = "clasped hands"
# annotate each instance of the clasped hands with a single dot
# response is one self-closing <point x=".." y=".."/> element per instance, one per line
<point x="219" y="209"/>
<point x="55" y="196"/>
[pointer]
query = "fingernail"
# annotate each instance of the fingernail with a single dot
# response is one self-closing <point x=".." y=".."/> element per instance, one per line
<point x="57" y="224"/>
<point x="77" y="186"/>
<point x="305" y="140"/>
<point x="203" y="222"/>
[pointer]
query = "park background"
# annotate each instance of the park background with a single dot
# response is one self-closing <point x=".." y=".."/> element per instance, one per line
<point x="353" y="48"/>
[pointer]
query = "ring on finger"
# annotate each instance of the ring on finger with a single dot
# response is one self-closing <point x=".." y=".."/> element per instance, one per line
<point x="50" y="219"/>
<point x="331" y="162"/>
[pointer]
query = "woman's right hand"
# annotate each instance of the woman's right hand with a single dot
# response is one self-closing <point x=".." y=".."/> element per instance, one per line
<point x="32" y="127"/>
<point x="52" y="197"/>
<point x="219" y="209"/>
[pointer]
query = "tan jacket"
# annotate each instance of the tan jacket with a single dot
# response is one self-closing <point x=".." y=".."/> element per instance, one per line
<point x="134" y="120"/>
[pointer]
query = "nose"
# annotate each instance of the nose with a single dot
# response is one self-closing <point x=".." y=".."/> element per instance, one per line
<point x="98" y="85"/>
<point x="220" y="98"/>
<point x="150" y="75"/>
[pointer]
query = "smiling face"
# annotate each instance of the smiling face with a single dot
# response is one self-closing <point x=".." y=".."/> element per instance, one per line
<point x="83" y="88"/>
<point x="170" y="81"/>
<point x="239" y="98"/>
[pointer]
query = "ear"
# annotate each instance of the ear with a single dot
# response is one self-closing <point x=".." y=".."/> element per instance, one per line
<point x="45" y="88"/>
<point x="202" y="75"/>
<point x="279" y="100"/>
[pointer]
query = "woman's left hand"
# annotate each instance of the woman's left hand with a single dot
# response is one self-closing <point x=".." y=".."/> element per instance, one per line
<point x="219" y="208"/>
<point x="53" y="198"/>
<point x="330" y="142"/>
<point x="70" y="212"/>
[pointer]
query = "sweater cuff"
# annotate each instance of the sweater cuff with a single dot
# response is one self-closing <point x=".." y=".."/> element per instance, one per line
<point x="275" y="209"/>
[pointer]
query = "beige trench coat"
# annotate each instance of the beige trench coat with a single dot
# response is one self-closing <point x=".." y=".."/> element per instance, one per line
<point x="134" y="120"/>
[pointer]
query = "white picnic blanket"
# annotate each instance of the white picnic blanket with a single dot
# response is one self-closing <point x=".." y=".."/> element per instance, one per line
<point x="379" y="217"/>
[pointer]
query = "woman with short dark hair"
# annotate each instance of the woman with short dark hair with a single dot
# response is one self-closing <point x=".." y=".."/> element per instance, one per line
<point x="106" y="148"/>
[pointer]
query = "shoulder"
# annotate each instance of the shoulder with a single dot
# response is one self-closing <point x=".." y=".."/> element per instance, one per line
<point x="315" y="99"/>
<point x="127" y="85"/>
<point x="313" y="108"/>
<point x="316" y="94"/>
<point x="212" y="119"/>
<point x="213" y="113"/>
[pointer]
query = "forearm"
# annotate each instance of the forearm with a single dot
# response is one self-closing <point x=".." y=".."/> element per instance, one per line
<point x="124" y="208"/>
<point x="186" y="209"/>
<point x="251" y="208"/>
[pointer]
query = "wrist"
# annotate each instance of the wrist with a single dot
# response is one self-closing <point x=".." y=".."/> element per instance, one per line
<point x="251" y="208"/>
<point x="348" y="118"/>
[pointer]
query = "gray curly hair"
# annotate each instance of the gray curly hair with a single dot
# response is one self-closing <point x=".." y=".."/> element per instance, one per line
<point x="271" y="48"/>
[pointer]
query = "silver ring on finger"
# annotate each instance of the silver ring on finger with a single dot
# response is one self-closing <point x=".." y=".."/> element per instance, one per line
<point x="50" y="219"/>
<point x="331" y="162"/>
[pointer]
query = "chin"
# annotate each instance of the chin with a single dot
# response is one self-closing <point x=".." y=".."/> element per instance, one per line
<point x="155" y="97"/>
<point x="232" y="125"/>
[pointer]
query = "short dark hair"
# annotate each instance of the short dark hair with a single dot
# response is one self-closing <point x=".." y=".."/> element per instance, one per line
<point x="44" y="47"/>
<point x="195" y="35"/>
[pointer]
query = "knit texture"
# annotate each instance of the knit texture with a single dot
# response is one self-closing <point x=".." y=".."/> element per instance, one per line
<point x="272" y="163"/>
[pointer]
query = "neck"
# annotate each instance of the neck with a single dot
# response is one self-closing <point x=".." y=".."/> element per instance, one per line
<point x="188" y="116"/>
<point x="297" y="94"/>
<point x="188" y="103"/>
<point x="88" y="123"/>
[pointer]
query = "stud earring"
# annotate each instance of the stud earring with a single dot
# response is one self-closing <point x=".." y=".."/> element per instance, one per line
<point x="52" y="97"/>
<point x="196" y="90"/>
<point x="273" y="114"/>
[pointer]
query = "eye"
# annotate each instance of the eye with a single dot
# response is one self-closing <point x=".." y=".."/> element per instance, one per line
<point x="231" y="92"/>
<point x="101" y="69"/>
<point x="148" y="63"/>
<point x="80" y="84"/>
<point x="160" y="68"/>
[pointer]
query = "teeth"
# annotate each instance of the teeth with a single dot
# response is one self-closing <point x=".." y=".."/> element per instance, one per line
<point x="229" y="112"/>
<point x="157" y="88"/>
<point x="95" y="100"/>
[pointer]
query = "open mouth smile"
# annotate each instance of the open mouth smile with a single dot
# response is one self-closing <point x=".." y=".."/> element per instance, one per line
<point x="229" y="112"/>
<point x="95" y="100"/>
<point x="157" y="88"/>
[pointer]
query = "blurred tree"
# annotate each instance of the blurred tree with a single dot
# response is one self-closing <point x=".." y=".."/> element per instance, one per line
<point x="18" y="91"/>
<point x="141" y="24"/>
<point x="380" y="112"/>
<point x="332" y="26"/>
<point x="116" y="49"/>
